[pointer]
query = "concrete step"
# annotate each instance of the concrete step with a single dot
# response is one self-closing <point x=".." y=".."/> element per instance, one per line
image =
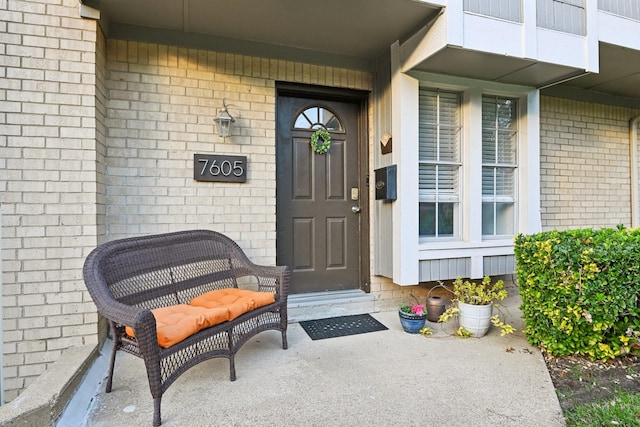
<point x="319" y="305"/>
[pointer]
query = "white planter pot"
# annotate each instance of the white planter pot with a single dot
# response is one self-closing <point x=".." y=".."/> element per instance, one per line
<point x="475" y="318"/>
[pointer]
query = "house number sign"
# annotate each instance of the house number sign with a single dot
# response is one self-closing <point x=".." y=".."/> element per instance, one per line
<point x="219" y="168"/>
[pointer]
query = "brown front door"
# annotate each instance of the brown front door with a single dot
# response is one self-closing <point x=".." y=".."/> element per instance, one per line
<point x="319" y="196"/>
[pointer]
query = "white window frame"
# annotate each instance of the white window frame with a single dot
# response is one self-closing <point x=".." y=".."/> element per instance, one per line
<point x="494" y="199"/>
<point x="436" y="198"/>
<point x="470" y="221"/>
<point x="472" y="245"/>
<point x="408" y="250"/>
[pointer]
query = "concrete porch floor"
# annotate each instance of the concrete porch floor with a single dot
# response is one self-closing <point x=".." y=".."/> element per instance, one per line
<point x="378" y="379"/>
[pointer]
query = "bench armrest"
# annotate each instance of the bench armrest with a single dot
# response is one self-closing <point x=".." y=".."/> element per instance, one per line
<point x="140" y="319"/>
<point x="270" y="278"/>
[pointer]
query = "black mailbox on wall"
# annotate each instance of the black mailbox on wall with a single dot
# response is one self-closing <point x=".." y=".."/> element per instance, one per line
<point x="386" y="183"/>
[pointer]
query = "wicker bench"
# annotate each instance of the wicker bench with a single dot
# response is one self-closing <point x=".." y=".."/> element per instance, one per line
<point x="128" y="278"/>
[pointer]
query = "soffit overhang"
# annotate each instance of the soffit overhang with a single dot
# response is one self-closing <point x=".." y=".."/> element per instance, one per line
<point x="353" y="31"/>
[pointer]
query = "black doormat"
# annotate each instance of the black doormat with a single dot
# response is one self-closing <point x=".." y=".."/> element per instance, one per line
<point x="341" y="326"/>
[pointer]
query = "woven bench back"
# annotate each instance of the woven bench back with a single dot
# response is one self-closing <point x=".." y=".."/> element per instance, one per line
<point x="167" y="269"/>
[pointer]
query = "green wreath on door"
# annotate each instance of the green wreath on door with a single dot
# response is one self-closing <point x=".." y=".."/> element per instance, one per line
<point x="316" y="145"/>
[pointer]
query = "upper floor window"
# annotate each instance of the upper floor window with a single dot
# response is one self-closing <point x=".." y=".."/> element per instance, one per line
<point x="562" y="15"/>
<point x="439" y="163"/>
<point x="499" y="163"/>
<point x="626" y="8"/>
<point x="510" y="10"/>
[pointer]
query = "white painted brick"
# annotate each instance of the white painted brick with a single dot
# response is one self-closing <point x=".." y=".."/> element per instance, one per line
<point x="32" y="370"/>
<point x="65" y="342"/>
<point x="46" y="42"/>
<point x="48" y="20"/>
<point x="14" y="48"/>
<point x="65" y="320"/>
<point x="37" y="322"/>
<point x="41" y="357"/>
<point x="65" y="33"/>
<point x="26" y="73"/>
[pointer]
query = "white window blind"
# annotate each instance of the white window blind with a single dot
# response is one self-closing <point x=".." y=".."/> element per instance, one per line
<point x="568" y="16"/>
<point x="499" y="163"/>
<point x="626" y="8"/>
<point x="510" y="10"/>
<point x="439" y="163"/>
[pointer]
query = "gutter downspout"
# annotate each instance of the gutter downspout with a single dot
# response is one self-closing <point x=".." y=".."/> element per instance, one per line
<point x="633" y="154"/>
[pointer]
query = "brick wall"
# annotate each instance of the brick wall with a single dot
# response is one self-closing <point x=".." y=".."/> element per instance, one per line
<point x="100" y="149"/>
<point x="47" y="183"/>
<point x="161" y="104"/>
<point x="584" y="164"/>
<point x="98" y="138"/>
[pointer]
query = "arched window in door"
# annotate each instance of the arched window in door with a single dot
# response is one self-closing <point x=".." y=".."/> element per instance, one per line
<point x="316" y="117"/>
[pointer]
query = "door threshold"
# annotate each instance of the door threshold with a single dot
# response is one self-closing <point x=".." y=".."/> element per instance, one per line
<point x="320" y="305"/>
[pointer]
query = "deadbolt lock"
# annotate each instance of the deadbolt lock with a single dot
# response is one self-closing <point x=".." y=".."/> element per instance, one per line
<point x="355" y="193"/>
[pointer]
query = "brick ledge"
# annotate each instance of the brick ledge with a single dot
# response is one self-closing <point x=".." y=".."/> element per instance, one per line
<point x="42" y="402"/>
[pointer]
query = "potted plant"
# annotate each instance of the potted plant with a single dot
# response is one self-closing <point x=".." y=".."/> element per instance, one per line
<point x="413" y="316"/>
<point x="473" y="303"/>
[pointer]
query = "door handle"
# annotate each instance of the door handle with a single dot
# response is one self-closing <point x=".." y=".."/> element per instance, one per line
<point x="355" y="209"/>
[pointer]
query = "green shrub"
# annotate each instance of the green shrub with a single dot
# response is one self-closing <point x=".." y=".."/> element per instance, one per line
<point x="580" y="289"/>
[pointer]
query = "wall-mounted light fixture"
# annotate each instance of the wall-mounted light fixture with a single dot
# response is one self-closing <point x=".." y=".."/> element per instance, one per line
<point x="223" y="121"/>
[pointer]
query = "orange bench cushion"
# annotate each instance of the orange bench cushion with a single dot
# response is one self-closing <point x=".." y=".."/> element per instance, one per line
<point x="238" y="301"/>
<point x="177" y="322"/>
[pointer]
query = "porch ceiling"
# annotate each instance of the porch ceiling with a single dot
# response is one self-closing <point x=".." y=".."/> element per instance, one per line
<point x="619" y="72"/>
<point x="347" y="33"/>
<point x="354" y="28"/>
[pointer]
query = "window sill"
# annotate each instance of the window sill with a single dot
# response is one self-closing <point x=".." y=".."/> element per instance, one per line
<point x="459" y="244"/>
